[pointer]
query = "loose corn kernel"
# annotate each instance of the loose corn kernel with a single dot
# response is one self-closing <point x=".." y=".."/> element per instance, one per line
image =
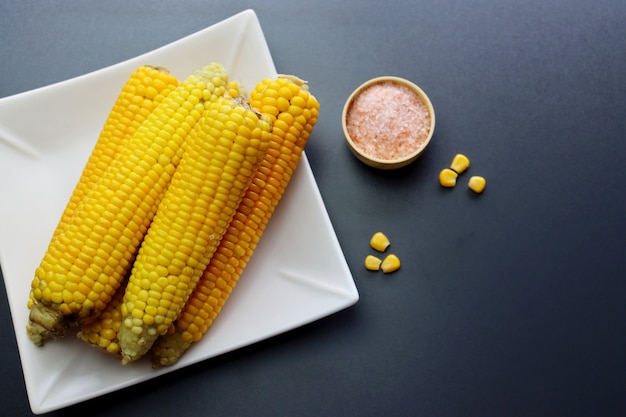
<point x="372" y="263"/>
<point x="460" y="163"/>
<point x="447" y="178"/>
<point x="390" y="263"/>
<point x="477" y="184"/>
<point x="379" y="241"/>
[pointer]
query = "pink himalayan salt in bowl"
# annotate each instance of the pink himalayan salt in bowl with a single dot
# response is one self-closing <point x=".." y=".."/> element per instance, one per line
<point x="388" y="122"/>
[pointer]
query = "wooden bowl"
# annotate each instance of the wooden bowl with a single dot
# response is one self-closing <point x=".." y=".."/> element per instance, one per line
<point x="388" y="122"/>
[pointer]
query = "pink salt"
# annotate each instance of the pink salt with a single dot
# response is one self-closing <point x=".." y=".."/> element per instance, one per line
<point x="388" y="121"/>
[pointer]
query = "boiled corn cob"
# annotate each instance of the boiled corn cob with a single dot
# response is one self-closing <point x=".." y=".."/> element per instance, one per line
<point x="85" y="265"/>
<point x="144" y="90"/>
<point x="222" y="155"/>
<point x="293" y="111"/>
<point x="103" y="332"/>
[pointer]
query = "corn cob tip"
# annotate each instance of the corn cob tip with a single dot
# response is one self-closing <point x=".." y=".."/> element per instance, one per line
<point x="102" y="332"/>
<point x="292" y="110"/>
<point x="135" y="344"/>
<point x="159" y="68"/>
<point x="111" y="349"/>
<point x="45" y="322"/>
<point x="240" y="100"/>
<point x="296" y="80"/>
<point x="167" y="350"/>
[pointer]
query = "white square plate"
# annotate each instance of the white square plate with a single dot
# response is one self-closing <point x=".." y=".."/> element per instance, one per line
<point x="297" y="275"/>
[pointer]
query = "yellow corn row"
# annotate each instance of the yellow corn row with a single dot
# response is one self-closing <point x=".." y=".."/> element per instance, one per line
<point x="143" y="92"/>
<point x="84" y="266"/>
<point x="220" y="159"/>
<point x="102" y="333"/>
<point x="293" y="112"/>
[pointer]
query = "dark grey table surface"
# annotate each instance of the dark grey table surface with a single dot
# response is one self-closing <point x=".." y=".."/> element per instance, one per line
<point x="511" y="303"/>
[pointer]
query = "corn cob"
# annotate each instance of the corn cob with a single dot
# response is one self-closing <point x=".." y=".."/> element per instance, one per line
<point x="293" y="112"/>
<point x="146" y="87"/>
<point x="85" y="265"/>
<point x="144" y="90"/>
<point x="222" y="155"/>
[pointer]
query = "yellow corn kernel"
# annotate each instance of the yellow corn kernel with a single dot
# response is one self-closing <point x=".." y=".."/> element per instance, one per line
<point x="447" y="178"/>
<point x="391" y="263"/>
<point x="235" y="90"/>
<point x="220" y="159"/>
<point x="288" y="138"/>
<point x="372" y="263"/>
<point x="94" y="254"/>
<point x="477" y="184"/>
<point x="379" y="241"/>
<point x="460" y="163"/>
